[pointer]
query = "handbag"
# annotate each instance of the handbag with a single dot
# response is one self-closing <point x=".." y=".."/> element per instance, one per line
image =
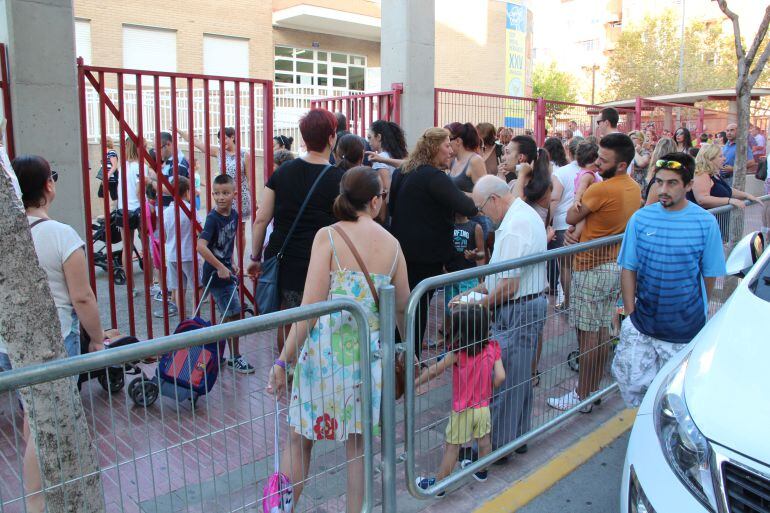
<point x="278" y="494"/>
<point x="268" y="297"/>
<point x="400" y="357"/>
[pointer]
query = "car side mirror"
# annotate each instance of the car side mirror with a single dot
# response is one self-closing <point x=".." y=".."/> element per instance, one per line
<point x="745" y="254"/>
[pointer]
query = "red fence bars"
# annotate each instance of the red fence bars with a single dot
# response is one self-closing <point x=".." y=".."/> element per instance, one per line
<point x="169" y="126"/>
<point x="5" y="85"/>
<point x="539" y="117"/>
<point x="361" y="110"/>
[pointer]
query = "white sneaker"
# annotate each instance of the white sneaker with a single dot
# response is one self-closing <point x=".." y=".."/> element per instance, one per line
<point x="154" y="289"/>
<point x="568" y="401"/>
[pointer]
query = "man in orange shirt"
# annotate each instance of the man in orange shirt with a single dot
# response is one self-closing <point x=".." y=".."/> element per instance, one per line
<point x="607" y="206"/>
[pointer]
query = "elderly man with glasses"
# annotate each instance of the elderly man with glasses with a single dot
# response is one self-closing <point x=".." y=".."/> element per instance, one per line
<point x="515" y="299"/>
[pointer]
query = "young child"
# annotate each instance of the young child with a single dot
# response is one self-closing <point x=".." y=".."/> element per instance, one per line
<point x="476" y="367"/>
<point x="468" y="240"/>
<point x="185" y="246"/>
<point x="586" y="177"/>
<point x="216" y="244"/>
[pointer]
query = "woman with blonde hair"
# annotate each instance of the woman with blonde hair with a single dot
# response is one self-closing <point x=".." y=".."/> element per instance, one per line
<point x="641" y="158"/>
<point x="422" y="203"/>
<point x="709" y="190"/>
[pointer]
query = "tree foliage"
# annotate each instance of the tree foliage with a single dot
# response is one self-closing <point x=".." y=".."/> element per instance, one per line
<point x="645" y="61"/>
<point x="550" y="83"/>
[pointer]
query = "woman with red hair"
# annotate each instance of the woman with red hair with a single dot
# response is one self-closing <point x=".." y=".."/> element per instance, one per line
<point x="283" y="196"/>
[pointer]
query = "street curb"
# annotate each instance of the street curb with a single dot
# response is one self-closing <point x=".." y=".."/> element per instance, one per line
<point x="529" y="487"/>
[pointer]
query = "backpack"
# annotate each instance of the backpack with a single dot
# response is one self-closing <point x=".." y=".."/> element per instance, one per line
<point x="194" y="368"/>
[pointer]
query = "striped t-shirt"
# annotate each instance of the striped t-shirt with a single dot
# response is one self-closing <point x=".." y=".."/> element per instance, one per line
<point x="671" y="252"/>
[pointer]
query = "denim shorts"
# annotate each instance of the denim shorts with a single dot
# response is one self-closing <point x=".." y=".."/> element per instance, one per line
<point x="222" y="295"/>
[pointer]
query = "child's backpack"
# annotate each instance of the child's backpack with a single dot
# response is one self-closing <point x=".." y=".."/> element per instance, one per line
<point x="278" y="494"/>
<point x="193" y="368"/>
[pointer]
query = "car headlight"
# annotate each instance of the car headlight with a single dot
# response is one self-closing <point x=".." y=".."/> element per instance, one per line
<point x="684" y="446"/>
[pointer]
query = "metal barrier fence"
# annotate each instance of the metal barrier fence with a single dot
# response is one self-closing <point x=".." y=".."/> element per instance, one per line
<point x="157" y="451"/>
<point x="5" y="85"/>
<point x="556" y="349"/>
<point x="537" y="116"/>
<point x="361" y="110"/>
<point x="111" y="247"/>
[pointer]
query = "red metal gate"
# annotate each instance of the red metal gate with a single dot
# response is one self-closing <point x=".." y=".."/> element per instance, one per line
<point x="134" y="106"/>
<point x="5" y="85"/>
<point x="362" y="110"/>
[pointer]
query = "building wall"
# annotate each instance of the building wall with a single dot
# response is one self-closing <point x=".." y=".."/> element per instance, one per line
<point x="470" y="45"/>
<point x="363" y="7"/>
<point x="250" y="19"/>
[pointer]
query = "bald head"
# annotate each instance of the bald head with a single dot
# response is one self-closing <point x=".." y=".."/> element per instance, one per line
<point x="493" y="196"/>
<point x="731" y="131"/>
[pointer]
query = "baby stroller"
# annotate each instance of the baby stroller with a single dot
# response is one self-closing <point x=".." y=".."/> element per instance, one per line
<point x="185" y="374"/>
<point x="112" y="379"/>
<point x="99" y="233"/>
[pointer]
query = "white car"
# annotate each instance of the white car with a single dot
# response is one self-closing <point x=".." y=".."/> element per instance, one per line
<point x="701" y="440"/>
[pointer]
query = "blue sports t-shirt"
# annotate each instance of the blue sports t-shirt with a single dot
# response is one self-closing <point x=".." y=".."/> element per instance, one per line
<point x="671" y="253"/>
<point x="219" y="231"/>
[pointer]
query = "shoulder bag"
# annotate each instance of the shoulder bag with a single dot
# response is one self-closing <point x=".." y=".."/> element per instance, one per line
<point x="400" y="356"/>
<point x="268" y="296"/>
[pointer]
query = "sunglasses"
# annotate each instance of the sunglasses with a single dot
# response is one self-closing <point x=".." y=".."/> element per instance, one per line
<point x="668" y="164"/>
<point x="54" y="175"/>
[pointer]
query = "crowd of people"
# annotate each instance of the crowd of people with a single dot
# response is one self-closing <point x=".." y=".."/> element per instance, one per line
<point x="350" y="215"/>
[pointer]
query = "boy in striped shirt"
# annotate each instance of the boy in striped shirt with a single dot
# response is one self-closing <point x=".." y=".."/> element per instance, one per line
<point x="670" y="258"/>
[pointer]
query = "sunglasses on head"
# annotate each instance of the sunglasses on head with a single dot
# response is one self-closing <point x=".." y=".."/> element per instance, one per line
<point x="668" y="164"/>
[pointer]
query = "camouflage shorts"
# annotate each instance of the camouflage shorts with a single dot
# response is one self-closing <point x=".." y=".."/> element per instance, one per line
<point x="638" y="358"/>
<point x="594" y="297"/>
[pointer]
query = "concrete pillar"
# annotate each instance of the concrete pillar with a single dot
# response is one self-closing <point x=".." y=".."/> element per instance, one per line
<point x="41" y="39"/>
<point x="407" y="51"/>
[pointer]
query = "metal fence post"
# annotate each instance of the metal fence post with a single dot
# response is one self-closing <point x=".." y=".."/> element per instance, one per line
<point x="638" y="113"/>
<point x="701" y="119"/>
<point x="540" y="129"/>
<point x="388" y="353"/>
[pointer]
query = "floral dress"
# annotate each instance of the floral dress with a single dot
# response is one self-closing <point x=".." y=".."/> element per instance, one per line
<point x="326" y="392"/>
<point x="230" y="168"/>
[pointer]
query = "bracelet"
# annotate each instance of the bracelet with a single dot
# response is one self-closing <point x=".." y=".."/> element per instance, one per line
<point x="253" y="258"/>
<point x="280" y="363"/>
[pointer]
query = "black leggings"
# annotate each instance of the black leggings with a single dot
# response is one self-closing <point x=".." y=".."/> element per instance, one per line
<point x="417" y="272"/>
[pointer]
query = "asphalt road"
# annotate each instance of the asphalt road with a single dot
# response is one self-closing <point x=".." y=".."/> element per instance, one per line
<point x="593" y="487"/>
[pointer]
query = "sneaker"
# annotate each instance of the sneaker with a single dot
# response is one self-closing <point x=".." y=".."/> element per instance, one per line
<point x="172" y="311"/>
<point x="479" y="476"/>
<point x="426" y="482"/>
<point x="568" y="401"/>
<point x="157" y="295"/>
<point x="154" y="289"/>
<point x="239" y="364"/>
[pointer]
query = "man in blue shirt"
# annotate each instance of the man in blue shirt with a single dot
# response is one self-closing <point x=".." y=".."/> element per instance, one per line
<point x="670" y="258"/>
<point x="728" y="152"/>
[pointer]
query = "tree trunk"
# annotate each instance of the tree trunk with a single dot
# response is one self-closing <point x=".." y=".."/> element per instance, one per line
<point x="30" y="326"/>
<point x="741" y="148"/>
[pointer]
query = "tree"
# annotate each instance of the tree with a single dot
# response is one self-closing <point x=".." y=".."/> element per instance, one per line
<point x="550" y="83"/>
<point x="645" y="60"/>
<point x="30" y="326"/>
<point x="750" y="66"/>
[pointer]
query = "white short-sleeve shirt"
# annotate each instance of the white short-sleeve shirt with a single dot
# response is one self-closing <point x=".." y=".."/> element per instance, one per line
<point x="54" y="244"/>
<point x="185" y="230"/>
<point x="566" y="176"/>
<point x="522" y="233"/>
<point x="382" y="165"/>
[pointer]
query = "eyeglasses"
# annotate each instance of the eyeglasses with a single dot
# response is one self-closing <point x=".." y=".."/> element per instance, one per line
<point x="453" y="138"/>
<point x="668" y="164"/>
<point x="54" y="175"/>
<point x="600" y="121"/>
<point x="383" y="194"/>
<point x="481" y="207"/>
